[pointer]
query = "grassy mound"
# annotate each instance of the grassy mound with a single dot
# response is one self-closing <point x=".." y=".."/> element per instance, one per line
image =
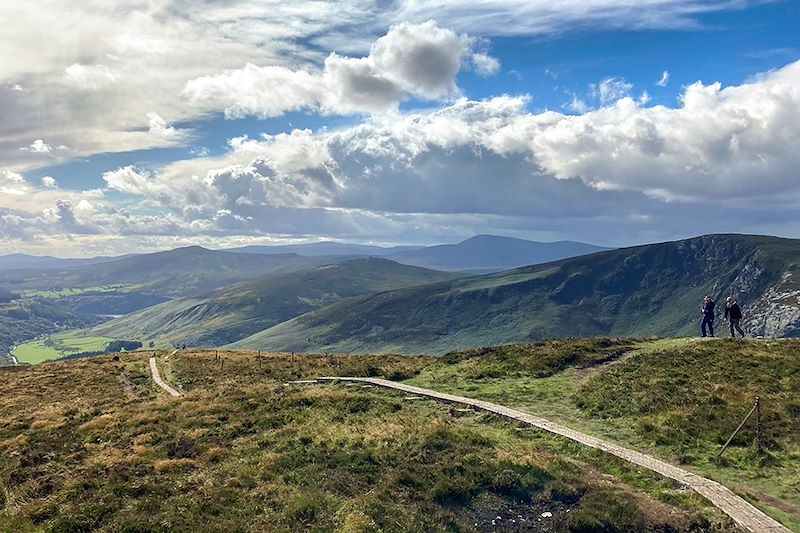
<point x="92" y="445"/>
<point x="701" y="392"/>
<point x="679" y="399"/>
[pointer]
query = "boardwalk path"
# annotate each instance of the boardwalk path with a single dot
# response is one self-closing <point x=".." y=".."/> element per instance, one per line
<point x="742" y="512"/>
<point x="159" y="381"/>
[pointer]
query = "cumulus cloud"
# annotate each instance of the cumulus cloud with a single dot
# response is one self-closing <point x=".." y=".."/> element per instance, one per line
<point x="89" y="77"/>
<point x="49" y="182"/>
<point x="484" y="64"/>
<point x="262" y="91"/>
<point x="12" y="183"/>
<point x="38" y="147"/>
<point x="488" y="165"/>
<point x="496" y="159"/>
<point x="133" y="59"/>
<point x="410" y="61"/>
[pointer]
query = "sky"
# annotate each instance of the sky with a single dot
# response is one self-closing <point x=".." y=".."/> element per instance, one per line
<point x="132" y="126"/>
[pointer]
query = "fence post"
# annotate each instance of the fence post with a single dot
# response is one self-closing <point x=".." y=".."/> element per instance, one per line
<point x="758" y="425"/>
<point x="753" y="410"/>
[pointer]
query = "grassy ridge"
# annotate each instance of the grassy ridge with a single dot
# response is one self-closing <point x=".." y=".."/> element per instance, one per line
<point x="676" y="398"/>
<point x="90" y="445"/>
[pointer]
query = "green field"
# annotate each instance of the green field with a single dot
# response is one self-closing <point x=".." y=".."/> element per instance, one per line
<point x="72" y="291"/>
<point x="58" y="346"/>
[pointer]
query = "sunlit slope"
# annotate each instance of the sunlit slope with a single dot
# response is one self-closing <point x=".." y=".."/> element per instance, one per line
<point x="646" y="290"/>
<point x="232" y="313"/>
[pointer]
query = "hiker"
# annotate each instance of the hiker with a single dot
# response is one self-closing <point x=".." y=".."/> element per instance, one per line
<point x="707" y="310"/>
<point x="733" y="313"/>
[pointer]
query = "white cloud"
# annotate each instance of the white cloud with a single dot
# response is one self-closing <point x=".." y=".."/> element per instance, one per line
<point x="577" y="105"/>
<point x="611" y="89"/>
<point x="664" y="79"/>
<point x="49" y="182"/>
<point x="484" y="64"/>
<point x="12" y="183"/>
<point x="89" y="77"/>
<point x="38" y="147"/>
<point x="139" y="57"/>
<point x="131" y="180"/>
<point x="411" y="60"/>
<point x="494" y="158"/>
<point x="262" y="91"/>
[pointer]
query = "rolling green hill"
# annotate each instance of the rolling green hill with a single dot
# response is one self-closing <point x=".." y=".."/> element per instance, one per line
<point x="645" y="290"/>
<point x="174" y="273"/>
<point x="234" y="312"/>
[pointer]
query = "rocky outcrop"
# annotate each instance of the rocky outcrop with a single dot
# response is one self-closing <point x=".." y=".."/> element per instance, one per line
<point x="777" y="312"/>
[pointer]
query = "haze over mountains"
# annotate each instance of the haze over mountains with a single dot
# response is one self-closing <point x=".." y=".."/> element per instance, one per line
<point x="479" y="254"/>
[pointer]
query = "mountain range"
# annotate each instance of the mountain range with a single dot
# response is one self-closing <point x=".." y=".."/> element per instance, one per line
<point x="645" y="290"/>
<point x="289" y="302"/>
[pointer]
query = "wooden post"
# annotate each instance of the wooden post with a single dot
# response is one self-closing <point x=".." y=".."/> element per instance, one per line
<point x="753" y="410"/>
<point x="758" y="425"/>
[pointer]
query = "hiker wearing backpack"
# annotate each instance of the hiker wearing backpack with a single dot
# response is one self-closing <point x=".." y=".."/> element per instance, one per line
<point x="733" y="313"/>
<point x="707" y="310"/>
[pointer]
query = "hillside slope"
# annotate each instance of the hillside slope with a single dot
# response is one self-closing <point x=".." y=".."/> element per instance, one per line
<point x="174" y="273"/>
<point x="491" y="253"/>
<point x="92" y="445"/>
<point x="646" y="290"/>
<point x="234" y="312"/>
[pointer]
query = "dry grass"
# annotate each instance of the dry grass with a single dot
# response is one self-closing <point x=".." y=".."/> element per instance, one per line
<point x="91" y="445"/>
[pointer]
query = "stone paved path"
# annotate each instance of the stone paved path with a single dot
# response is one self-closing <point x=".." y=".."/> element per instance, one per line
<point x="741" y="511"/>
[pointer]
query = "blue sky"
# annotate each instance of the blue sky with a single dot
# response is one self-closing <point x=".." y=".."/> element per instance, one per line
<point x="149" y="137"/>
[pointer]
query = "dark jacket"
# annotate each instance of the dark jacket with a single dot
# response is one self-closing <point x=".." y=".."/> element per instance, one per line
<point x="708" y="308"/>
<point x="733" y="311"/>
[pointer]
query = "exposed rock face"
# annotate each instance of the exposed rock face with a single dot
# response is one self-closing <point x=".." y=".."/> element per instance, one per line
<point x="777" y="312"/>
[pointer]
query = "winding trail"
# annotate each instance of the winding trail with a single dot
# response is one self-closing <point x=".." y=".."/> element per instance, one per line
<point x="742" y="512"/>
<point x="160" y="382"/>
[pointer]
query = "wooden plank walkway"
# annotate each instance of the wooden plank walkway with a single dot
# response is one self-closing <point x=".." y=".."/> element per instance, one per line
<point x="157" y="378"/>
<point x="741" y="511"/>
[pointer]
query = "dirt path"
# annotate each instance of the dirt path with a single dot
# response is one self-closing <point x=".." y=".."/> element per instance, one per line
<point x="157" y="378"/>
<point x="742" y="512"/>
